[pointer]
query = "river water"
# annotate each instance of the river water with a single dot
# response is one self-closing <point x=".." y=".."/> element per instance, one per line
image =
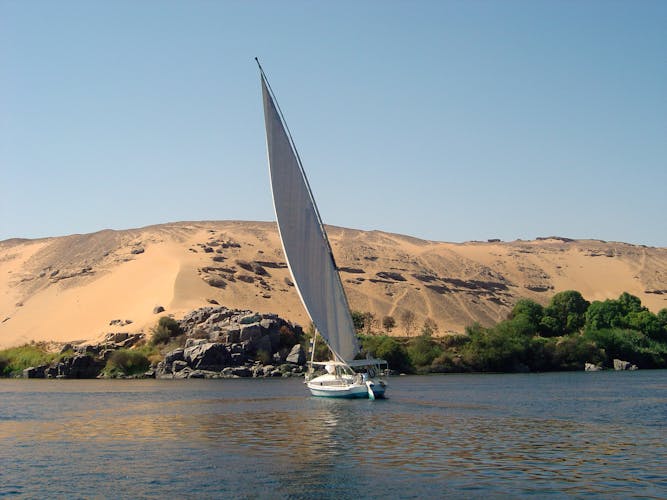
<point x="456" y="436"/>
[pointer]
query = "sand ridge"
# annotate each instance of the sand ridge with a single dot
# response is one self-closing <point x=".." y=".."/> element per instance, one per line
<point x="70" y="288"/>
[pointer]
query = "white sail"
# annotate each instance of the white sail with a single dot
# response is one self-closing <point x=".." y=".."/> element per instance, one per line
<point x="304" y="239"/>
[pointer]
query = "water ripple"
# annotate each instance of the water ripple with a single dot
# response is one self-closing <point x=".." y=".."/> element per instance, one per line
<point x="555" y="435"/>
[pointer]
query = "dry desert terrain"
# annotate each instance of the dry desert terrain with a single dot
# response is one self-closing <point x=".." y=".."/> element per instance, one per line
<point x="77" y="287"/>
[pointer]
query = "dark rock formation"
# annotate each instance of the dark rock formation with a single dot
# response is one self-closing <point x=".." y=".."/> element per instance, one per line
<point x="219" y="343"/>
<point x="35" y="371"/>
<point x="210" y="356"/>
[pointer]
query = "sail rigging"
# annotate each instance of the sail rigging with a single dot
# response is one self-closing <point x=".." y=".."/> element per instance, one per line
<point x="304" y="239"/>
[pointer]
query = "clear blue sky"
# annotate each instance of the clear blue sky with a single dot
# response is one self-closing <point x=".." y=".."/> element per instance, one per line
<point x="446" y="120"/>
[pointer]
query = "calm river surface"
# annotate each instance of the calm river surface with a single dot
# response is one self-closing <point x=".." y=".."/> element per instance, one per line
<point x="455" y="436"/>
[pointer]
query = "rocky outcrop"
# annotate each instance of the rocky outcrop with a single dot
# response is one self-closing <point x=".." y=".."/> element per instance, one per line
<point x="209" y="356"/>
<point x="219" y="343"/>
<point x="231" y="343"/>
<point x="590" y="367"/>
<point x="35" y="371"/>
<point x="620" y="365"/>
<point x="84" y="361"/>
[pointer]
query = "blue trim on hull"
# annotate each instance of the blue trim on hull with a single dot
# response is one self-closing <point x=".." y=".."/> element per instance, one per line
<point x="358" y="395"/>
<point x="353" y="395"/>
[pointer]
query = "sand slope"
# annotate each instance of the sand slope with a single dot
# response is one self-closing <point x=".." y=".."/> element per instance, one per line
<point x="72" y="287"/>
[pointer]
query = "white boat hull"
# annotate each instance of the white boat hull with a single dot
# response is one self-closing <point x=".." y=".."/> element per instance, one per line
<point x="330" y="386"/>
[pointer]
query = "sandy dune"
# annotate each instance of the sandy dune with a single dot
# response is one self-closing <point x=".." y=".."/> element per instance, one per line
<point x="71" y="288"/>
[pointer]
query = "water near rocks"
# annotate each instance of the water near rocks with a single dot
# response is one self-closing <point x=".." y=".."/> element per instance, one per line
<point x="459" y="436"/>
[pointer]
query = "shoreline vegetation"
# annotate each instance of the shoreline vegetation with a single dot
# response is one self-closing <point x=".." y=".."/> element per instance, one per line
<point x="215" y="342"/>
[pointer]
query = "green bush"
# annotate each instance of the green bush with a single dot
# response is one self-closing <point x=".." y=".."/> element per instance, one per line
<point x="448" y="362"/>
<point x="454" y="341"/>
<point x="422" y="351"/>
<point x="165" y="330"/>
<point x="359" y="320"/>
<point x="18" y="359"/>
<point x="630" y="345"/>
<point x="498" y="349"/>
<point x="126" y="362"/>
<point x="573" y="352"/>
<point x="389" y="349"/>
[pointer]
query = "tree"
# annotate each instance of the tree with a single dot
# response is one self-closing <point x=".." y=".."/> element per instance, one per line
<point x="389" y="349"/>
<point x="422" y="351"/>
<point x="662" y="317"/>
<point x="429" y="328"/>
<point x="388" y="323"/>
<point x="358" y="320"/>
<point x="369" y="322"/>
<point x="530" y="309"/>
<point x="625" y="312"/>
<point x="408" y="320"/>
<point x="646" y="322"/>
<point x="606" y="314"/>
<point x="568" y="309"/>
<point x="630" y="304"/>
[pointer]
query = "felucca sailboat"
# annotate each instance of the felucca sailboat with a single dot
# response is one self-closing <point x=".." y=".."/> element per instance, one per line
<point x="313" y="268"/>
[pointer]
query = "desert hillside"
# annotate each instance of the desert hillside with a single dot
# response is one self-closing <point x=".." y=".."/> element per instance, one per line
<point x="81" y="287"/>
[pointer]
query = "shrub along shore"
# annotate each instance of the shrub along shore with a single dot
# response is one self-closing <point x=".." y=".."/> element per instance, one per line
<point x="566" y="334"/>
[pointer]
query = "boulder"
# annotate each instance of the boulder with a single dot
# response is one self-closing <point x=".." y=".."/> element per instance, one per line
<point x="195" y="342"/>
<point x="250" y="333"/>
<point x="250" y="318"/>
<point x="236" y="349"/>
<point x="158" y="309"/>
<point x="267" y="323"/>
<point x="35" y="372"/>
<point x="620" y="365"/>
<point x="184" y="373"/>
<point x="262" y="344"/>
<point x="175" y="355"/>
<point x="590" y="367"/>
<point x="132" y="339"/>
<point x="178" y="365"/>
<point x="116" y="337"/>
<point x="274" y="337"/>
<point x="106" y="354"/>
<point x="296" y="356"/>
<point x="230" y="335"/>
<point x="210" y="356"/>
<point x="241" y="371"/>
<point x="238" y="358"/>
<point x="80" y="366"/>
